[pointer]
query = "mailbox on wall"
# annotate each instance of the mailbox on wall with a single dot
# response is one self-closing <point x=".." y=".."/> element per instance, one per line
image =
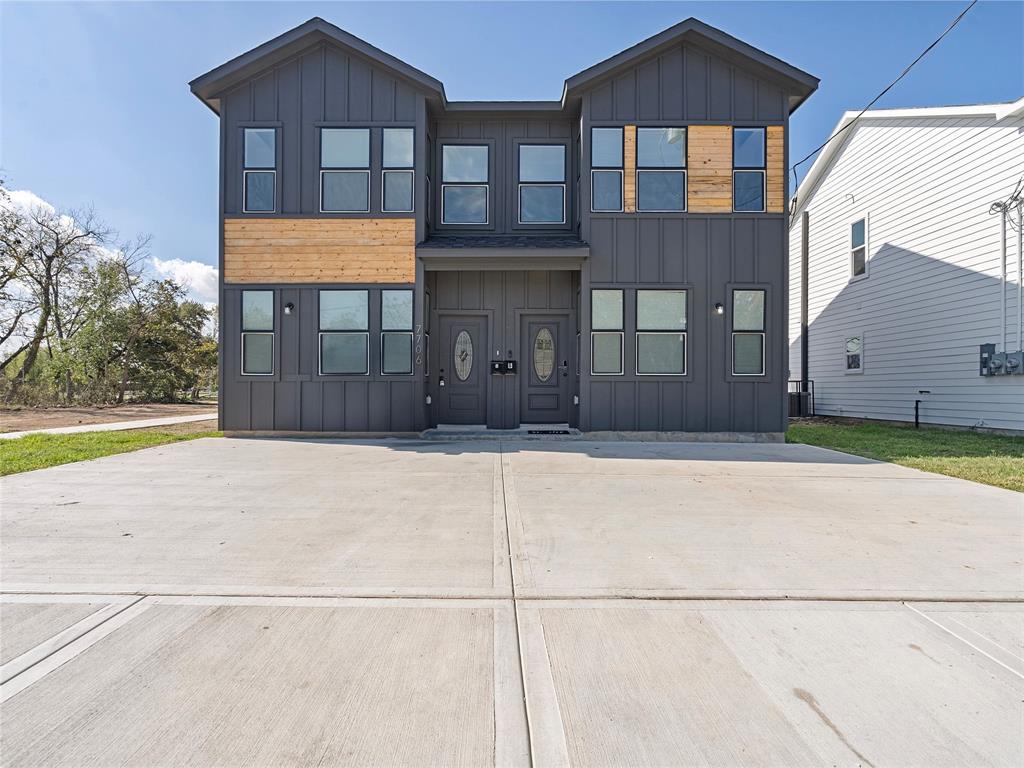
<point x="502" y="367"/>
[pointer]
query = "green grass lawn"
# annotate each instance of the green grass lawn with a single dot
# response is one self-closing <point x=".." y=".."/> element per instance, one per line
<point x="38" y="451"/>
<point x="979" y="456"/>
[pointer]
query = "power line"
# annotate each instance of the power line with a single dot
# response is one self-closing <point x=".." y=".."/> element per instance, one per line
<point x="910" y="66"/>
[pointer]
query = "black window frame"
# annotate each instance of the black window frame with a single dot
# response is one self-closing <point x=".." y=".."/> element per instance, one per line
<point x="564" y="183"/>
<point x="763" y="332"/>
<point x="761" y="169"/>
<point x="662" y="169"/>
<point x="620" y="168"/>
<point x="321" y="332"/>
<point x="272" y="333"/>
<point x="272" y="170"/>
<point x="339" y="169"/>
<point x="408" y="332"/>
<point x="620" y="331"/>
<point x="385" y="169"/>
<point x="488" y="222"/>
<point x="638" y="331"/>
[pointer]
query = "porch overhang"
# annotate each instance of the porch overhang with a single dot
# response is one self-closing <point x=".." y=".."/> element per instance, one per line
<point x="499" y="253"/>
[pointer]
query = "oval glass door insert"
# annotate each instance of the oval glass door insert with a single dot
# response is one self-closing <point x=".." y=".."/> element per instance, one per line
<point x="544" y="354"/>
<point x="463" y="355"/>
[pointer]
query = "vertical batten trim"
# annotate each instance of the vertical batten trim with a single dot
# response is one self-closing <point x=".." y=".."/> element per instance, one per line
<point x="629" y="169"/>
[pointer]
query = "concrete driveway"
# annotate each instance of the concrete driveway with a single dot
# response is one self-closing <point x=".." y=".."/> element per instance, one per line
<point x="258" y="602"/>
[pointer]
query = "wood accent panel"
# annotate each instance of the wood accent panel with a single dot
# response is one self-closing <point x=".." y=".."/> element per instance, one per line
<point x="709" y="169"/>
<point x="280" y="250"/>
<point x="629" y="169"/>
<point x="775" y="176"/>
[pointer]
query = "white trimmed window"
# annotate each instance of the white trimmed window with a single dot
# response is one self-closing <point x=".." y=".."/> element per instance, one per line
<point x="259" y="174"/>
<point x="854" y="354"/>
<point x="660" y="333"/>
<point x="859" y="247"/>
<point x="257" y="333"/>
<point x="344" y="335"/>
<point x="344" y="170"/>
<point x="541" y="184"/>
<point x="606" y="332"/>
<point x="606" y="170"/>
<point x="661" y="169"/>
<point x="748" y="332"/>
<point x="465" y="188"/>
<point x="397" y="174"/>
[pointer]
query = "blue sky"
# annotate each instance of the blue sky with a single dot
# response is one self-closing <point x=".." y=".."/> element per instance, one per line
<point x="94" y="106"/>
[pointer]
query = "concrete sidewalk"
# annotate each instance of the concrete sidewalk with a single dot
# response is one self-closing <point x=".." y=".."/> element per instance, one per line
<point x="276" y="602"/>
<point x="112" y="426"/>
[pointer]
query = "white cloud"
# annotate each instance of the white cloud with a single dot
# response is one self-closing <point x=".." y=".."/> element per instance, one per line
<point x="28" y="201"/>
<point x="199" y="279"/>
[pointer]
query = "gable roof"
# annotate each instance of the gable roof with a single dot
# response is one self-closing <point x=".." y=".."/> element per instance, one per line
<point x="800" y="83"/>
<point x="823" y="162"/>
<point x="208" y="87"/>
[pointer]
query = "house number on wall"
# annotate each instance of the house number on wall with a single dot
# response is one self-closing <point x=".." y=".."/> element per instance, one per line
<point x="419" y="344"/>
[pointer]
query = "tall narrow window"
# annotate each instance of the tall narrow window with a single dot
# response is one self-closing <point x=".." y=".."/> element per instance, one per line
<point x="748" y="158"/>
<point x="344" y="332"/>
<point x="396" y="332"/>
<point x="464" y="184"/>
<point x="606" y="170"/>
<point x="660" y="169"/>
<point x="397" y="174"/>
<point x="660" y="333"/>
<point x="748" y="333"/>
<point x="259" y="177"/>
<point x="344" y="170"/>
<point x="541" y="184"/>
<point x="258" y="333"/>
<point x="854" y="354"/>
<point x="606" y="332"/>
<point x="859" y="248"/>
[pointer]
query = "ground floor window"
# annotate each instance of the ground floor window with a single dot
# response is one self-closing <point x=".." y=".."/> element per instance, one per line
<point x="344" y="338"/>
<point x="396" y="332"/>
<point x="748" y="332"/>
<point x="606" y="332"/>
<point x="854" y="354"/>
<point x="660" y="332"/>
<point x="257" y="333"/>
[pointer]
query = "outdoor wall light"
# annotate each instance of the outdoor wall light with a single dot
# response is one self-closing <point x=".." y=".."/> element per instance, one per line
<point x="719" y="309"/>
<point x="288" y="308"/>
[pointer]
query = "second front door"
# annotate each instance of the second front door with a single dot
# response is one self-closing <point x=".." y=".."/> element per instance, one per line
<point x="544" y="375"/>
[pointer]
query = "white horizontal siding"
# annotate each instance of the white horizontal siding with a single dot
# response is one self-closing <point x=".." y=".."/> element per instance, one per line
<point x="931" y="296"/>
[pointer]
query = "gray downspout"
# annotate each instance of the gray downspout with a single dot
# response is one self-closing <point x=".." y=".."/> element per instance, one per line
<point x="804" y="281"/>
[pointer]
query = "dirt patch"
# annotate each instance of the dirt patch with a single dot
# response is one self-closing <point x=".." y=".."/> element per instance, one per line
<point x="19" y="419"/>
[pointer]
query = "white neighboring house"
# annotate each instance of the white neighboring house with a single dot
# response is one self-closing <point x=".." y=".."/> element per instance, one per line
<point x="904" y="266"/>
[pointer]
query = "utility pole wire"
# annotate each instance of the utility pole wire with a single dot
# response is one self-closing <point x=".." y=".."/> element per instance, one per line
<point x="910" y="66"/>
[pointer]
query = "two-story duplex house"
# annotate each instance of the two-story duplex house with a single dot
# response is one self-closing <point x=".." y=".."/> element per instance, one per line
<point x="614" y="260"/>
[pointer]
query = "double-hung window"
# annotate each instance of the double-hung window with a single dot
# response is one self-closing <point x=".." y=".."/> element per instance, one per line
<point x="344" y="332"/>
<point x="606" y="332"/>
<point x="258" y="333"/>
<point x="661" y="169"/>
<point x="395" y="332"/>
<point x="541" y="184"/>
<point x="606" y="170"/>
<point x="859" y="248"/>
<point x="854" y="354"/>
<point x="259" y="176"/>
<point x="464" y="183"/>
<point x="748" y="162"/>
<point x="397" y="174"/>
<point x="748" y="332"/>
<point x="660" y="333"/>
<point x="344" y="170"/>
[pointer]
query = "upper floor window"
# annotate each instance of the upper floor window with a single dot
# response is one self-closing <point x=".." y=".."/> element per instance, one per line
<point x="748" y="332"/>
<point x="660" y="332"/>
<point x="660" y="169"/>
<point x="859" y="247"/>
<point x="606" y="170"/>
<point x="259" y="176"/>
<point x="465" y="170"/>
<point x="541" y="184"/>
<point x="344" y="170"/>
<point x="748" y="162"/>
<point x="397" y="173"/>
<point x="396" y="332"/>
<point x="258" y="333"/>
<point x="344" y="332"/>
<point x="606" y="319"/>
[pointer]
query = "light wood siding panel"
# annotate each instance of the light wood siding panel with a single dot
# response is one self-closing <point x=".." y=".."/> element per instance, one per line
<point x="709" y="169"/>
<point x="629" y="169"/>
<point x="775" y="178"/>
<point x="932" y="291"/>
<point x="320" y="250"/>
